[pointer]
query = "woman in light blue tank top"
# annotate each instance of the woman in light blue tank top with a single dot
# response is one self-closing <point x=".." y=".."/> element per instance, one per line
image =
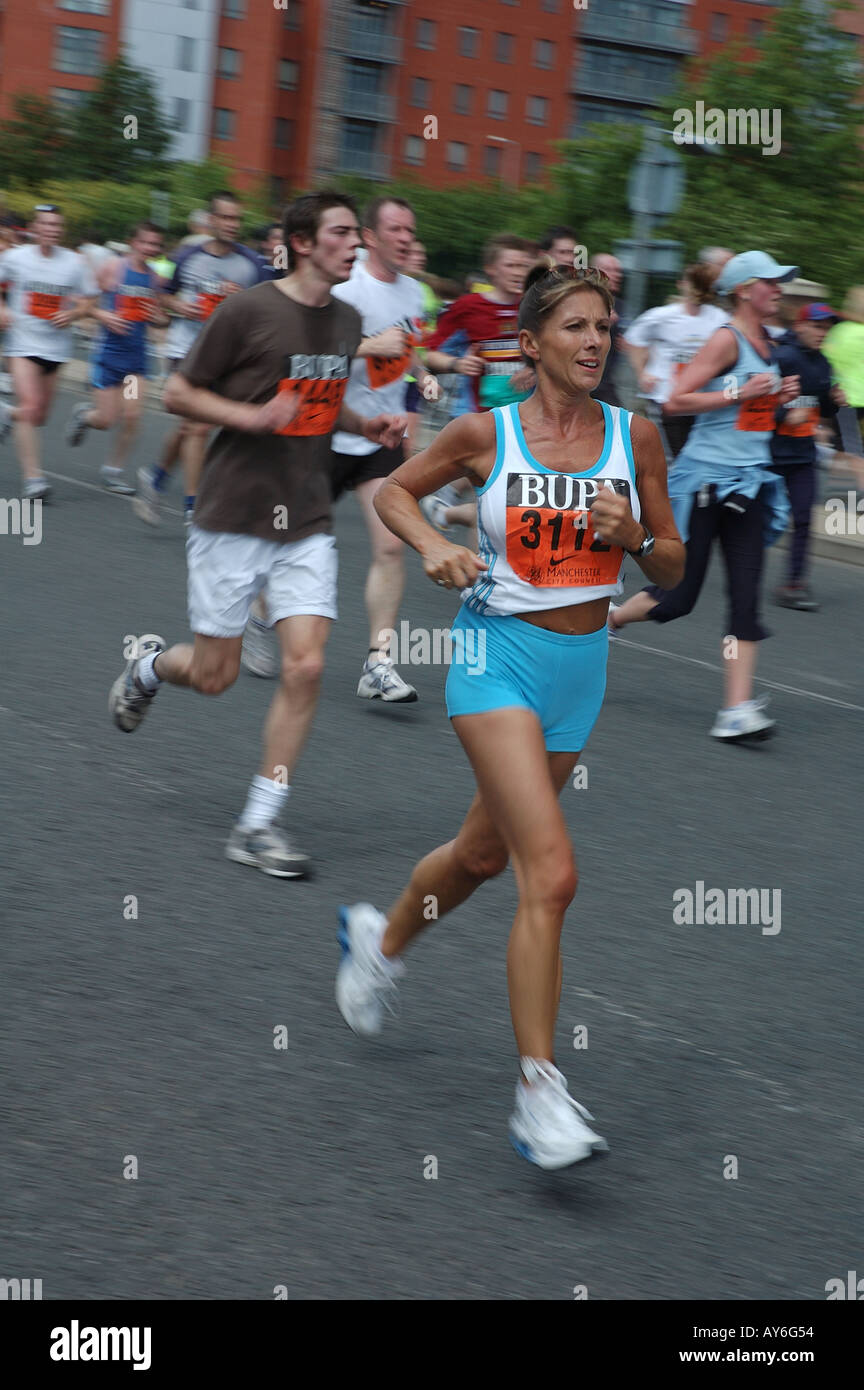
<point x="721" y="484"/>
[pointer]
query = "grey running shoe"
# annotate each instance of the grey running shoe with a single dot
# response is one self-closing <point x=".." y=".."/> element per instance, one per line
<point x="260" y="650"/>
<point x="148" y="502"/>
<point x="6" y="421"/>
<point x="112" y="481"/>
<point x="796" y="596"/>
<point x="37" y="489"/>
<point x="268" y="848"/>
<point x="127" y="702"/>
<point x="381" y="681"/>
<point x="77" y="426"/>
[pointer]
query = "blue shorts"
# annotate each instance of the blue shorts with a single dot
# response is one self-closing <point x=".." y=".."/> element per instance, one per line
<point x="103" y="376"/>
<point x="502" y="662"/>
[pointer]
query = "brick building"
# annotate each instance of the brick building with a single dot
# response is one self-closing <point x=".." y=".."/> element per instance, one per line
<point x="300" y="91"/>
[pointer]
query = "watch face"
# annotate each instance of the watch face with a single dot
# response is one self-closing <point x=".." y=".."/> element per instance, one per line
<point x="648" y="544"/>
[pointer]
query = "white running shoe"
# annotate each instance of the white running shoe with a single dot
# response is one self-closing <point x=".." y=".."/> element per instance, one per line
<point x="434" y="509"/>
<point x="6" y="421"/>
<point x="37" y="489"/>
<point x="268" y="848"/>
<point x="365" y="980"/>
<point x="260" y="650"/>
<point x="148" y="502"/>
<point x="77" y="426"/>
<point x="381" y="681"/>
<point x="548" y="1126"/>
<point x="744" y="721"/>
<point x="113" y="481"/>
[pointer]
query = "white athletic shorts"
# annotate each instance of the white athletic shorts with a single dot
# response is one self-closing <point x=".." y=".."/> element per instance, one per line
<point x="227" y="572"/>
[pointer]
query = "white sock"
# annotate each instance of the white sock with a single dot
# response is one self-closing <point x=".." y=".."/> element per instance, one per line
<point x="265" y="801"/>
<point x="144" y="673"/>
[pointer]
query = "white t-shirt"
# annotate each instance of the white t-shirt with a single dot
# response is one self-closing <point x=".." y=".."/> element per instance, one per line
<point x="674" y="337"/>
<point x="377" y="384"/>
<point x="39" y="286"/>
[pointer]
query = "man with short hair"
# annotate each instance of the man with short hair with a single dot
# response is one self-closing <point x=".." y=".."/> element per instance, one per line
<point x="270" y="370"/>
<point x="390" y="304"/>
<point x="560" y="244"/>
<point x="204" y="275"/>
<point x="49" y="288"/>
<point x="131" y="299"/>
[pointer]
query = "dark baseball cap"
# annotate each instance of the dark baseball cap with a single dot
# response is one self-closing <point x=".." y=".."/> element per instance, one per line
<point x="816" y="313"/>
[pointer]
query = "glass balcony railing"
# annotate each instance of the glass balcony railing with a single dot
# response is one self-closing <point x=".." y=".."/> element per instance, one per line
<point x="634" y="88"/>
<point x="637" y="33"/>
<point x="368" y="42"/>
<point x="364" y="162"/>
<point x="370" y="106"/>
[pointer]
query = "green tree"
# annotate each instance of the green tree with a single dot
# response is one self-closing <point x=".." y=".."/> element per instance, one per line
<point x="34" y="142"/>
<point x="119" y="132"/>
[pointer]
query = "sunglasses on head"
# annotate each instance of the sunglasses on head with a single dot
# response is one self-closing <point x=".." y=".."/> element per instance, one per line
<point x="46" y="207"/>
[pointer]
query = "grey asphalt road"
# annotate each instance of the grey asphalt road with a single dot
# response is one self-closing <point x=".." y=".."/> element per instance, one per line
<point x="708" y="1047"/>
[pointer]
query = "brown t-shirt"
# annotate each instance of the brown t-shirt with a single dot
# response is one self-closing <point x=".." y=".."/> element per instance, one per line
<point x="258" y="341"/>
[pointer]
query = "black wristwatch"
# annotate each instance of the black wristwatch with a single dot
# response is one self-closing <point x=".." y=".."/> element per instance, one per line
<point x="647" y="545"/>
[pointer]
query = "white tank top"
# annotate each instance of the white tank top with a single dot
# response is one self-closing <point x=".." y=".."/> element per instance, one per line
<point x="534" y="528"/>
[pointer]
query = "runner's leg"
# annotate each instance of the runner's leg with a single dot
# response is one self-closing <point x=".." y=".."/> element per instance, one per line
<point x="385" y="581"/>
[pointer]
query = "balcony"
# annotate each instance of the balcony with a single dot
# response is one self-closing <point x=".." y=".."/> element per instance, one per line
<point x="636" y="33"/>
<point x="364" y="163"/>
<point x="369" y="106"/>
<point x="361" y="42"/>
<point x="633" y="88"/>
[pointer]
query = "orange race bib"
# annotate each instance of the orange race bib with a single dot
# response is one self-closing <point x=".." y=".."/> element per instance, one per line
<point x="43" y="306"/>
<point x="132" y="308"/>
<point x="208" y="302"/>
<point x="806" y="429"/>
<point x="553" y="545"/>
<point x="385" y="370"/>
<point x="320" y="404"/>
<point x="758" y="414"/>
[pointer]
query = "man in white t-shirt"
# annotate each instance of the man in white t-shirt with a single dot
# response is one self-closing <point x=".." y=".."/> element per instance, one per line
<point x="662" y="341"/>
<point x="390" y="304"/>
<point x="48" y="288"/>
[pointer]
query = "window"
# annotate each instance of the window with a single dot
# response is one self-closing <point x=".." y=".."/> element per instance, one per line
<point x="229" y="62"/>
<point x="293" y="15"/>
<point x="284" y="133"/>
<point x="457" y="155"/>
<point x="364" y="79"/>
<point x="544" y="53"/>
<point x="719" y="28"/>
<point x="504" y="48"/>
<point x="415" y="149"/>
<point x="496" y="105"/>
<point x="182" y="111"/>
<point x="426" y="33"/>
<point x="186" y="53"/>
<point x="223" y="123"/>
<point x="531" y="167"/>
<point x="420" y="88"/>
<point x="78" y="50"/>
<point x="492" y="161"/>
<point x="537" y="110"/>
<point x="469" y="43"/>
<point x="289" y="73"/>
<point x="358" y="138"/>
<point x="68" y="98"/>
<point x="756" y="30"/>
<point x="550" y="6"/>
<point x="86" y="6"/>
<point x="462" y="98"/>
<point x="234" y="9"/>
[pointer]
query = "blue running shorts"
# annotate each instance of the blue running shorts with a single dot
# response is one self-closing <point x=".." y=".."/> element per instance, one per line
<point x="103" y="375"/>
<point x="502" y="662"/>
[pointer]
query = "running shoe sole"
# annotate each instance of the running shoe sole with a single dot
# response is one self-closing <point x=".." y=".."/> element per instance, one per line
<point x="756" y="736"/>
<point x="386" y="699"/>
<point x="524" y="1151"/>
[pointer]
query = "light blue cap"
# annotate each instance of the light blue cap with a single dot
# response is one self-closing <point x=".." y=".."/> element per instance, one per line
<point x="752" y="265"/>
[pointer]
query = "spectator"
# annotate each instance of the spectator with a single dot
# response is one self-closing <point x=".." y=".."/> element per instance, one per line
<point x="559" y="243"/>
<point x="844" y="348"/>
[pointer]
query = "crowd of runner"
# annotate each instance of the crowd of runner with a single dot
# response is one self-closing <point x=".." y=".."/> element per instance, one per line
<point x="300" y="370"/>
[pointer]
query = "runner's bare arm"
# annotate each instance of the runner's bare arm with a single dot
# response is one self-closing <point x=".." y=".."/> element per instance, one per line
<point x="197" y="403"/>
<point x="614" y="522"/>
<point x="464" y="449"/>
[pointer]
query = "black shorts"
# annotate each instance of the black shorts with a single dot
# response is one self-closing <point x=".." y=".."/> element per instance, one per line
<point x="413" y="397"/>
<point x="347" y="470"/>
<point x="47" y="367"/>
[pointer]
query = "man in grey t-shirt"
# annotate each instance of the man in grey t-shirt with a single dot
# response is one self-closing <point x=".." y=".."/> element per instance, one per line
<point x="204" y="275"/>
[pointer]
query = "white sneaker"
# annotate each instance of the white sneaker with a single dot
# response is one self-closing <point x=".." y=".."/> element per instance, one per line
<point x="148" y="502"/>
<point x="548" y="1126"/>
<point x="260" y="650"/>
<point x="381" y="681"/>
<point x="37" y="489"/>
<point x="744" y="721"/>
<point x="6" y="421"/>
<point x="365" y="980"/>
<point x="434" y="509"/>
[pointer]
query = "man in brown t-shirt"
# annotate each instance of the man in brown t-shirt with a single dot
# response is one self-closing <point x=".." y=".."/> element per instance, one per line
<point x="270" y="369"/>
